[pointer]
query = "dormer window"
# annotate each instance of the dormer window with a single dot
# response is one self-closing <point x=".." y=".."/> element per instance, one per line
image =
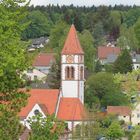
<point x="36" y="112"/>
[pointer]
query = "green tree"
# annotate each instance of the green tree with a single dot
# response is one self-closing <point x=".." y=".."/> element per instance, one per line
<point x="39" y="25"/>
<point x="103" y="87"/>
<point x="136" y="135"/>
<point x="58" y="35"/>
<point x="87" y="43"/>
<point x="45" y="128"/>
<point x="121" y="65"/>
<point x="137" y="30"/>
<point x="115" y="131"/>
<point x="13" y="62"/>
<point x="98" y="66"/>
<point x="54" y="76"/>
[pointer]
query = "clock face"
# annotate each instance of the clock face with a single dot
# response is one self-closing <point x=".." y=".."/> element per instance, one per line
<point x="69" y="59"/>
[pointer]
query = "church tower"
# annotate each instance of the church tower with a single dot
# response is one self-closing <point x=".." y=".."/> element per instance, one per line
<point x="72" y="67"/>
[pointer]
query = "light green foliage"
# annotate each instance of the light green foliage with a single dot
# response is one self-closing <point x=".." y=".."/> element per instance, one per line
<point x="103" y="86"/>
<point x="87" y="43"/>
<point x="127" y="38"/>
<point x="46" y="128"/>
<point x="13" y="62"/>
<point x="58" y="36"/>
<point x="115" y="131"/>
<point x="136" y="132"/>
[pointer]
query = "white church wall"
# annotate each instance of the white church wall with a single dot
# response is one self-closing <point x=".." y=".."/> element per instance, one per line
<point x="31" y="114"/>
<point x="70" y="89"/>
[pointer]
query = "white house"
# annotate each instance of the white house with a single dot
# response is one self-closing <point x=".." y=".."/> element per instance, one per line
<point x="34" y="74"/>
<point x="122" y="112"/>
<point x="43" y="62"/>
<point x="68" y="103"/>
<point x="136" y="61"/>
<point x="135" y="117"/>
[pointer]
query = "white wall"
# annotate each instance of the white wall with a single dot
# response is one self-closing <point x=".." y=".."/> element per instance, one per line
<point x="126" y="119"/>
<point x="43" y="69"/>
<point x="35" y="72"/>
<point x="31" y="114"/>
<point x="136" y="66"/>
<point x="135" y="118"/>
<point x="74" y="87"/>
<point x="70" y="89"/>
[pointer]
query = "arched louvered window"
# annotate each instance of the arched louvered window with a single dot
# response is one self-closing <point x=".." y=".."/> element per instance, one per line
<point x="81" y="73"/>
<point x="72" y="72"/>
<point x="67" y="73"/>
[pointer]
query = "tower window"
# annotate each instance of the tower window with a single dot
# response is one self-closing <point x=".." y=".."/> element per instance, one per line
<point x="67" y="72"/>
<point x="81" y="73"/>
<point x="72" y="72"/>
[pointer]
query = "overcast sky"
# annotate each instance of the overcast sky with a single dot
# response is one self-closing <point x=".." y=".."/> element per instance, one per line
<point x="86" y="2"/>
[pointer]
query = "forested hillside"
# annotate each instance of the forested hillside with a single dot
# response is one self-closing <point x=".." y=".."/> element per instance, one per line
<point x="118" y="23"/>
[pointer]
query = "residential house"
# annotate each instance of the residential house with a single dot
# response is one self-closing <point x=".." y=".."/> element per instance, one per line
<point x="123" y="112"/>
<point x="135" y="119"/>
<point x="136" y="61"/>
<point x="67" y="103"/>
<point x="33" y="74"/>
<point x="39" y="42"/>
<point x="43" y="62"/>
<point x="108" y="54"/>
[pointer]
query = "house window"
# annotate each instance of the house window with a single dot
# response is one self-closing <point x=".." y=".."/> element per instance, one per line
<point x="35" y="77"/>
<point x="36" y="112"/>
<point x="81" y="73"/>
<point x="138" y="115"/>
<point x="30" y="70"/>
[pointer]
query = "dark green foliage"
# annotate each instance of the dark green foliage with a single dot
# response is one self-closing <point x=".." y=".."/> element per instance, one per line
<point x="123" y="64"/>
<point x="39" y="25"/>
<point x="137" y="31"/>
<point x="98" y="66"/>
<point x="103" y="87"/>
<point x="54" y="77"/>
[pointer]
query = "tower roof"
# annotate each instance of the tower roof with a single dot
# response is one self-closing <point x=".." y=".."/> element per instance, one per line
<point x="72" y="43"/>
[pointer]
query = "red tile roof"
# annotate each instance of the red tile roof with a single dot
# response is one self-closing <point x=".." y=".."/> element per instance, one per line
<point x="72" y="44"/>
<point x="119" y="110"/>
<point x="104" y="51"/>
<point x="71" y="109"/>
<point x="44" y="59"/>
<point x="45" y="97"/>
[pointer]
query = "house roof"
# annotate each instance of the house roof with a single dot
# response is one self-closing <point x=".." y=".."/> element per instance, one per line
<point x="111" y="58"/>
<point x="72" y="44"/>
<point x="44" y="59"/>
<point x="104" y="51"/>
<point x="46" y="98"/>
<point x="119" y="110"/>
<point x="71" y="109"/>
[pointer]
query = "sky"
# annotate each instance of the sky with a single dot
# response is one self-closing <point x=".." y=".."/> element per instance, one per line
<point x="85" y="2"/>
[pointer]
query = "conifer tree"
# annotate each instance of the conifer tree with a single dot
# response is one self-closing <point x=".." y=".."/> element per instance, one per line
<point x="123" y="64"/>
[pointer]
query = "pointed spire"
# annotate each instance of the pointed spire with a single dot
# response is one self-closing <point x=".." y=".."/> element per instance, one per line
<point x="72" y="44"/>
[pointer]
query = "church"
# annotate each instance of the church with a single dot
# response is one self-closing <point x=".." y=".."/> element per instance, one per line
<point x="67" y="103"/>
